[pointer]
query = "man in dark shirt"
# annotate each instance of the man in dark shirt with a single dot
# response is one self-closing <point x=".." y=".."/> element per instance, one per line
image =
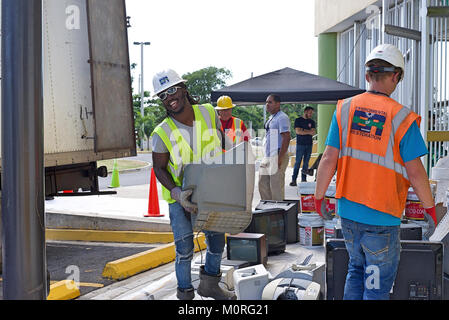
<point x="305" y="130"/>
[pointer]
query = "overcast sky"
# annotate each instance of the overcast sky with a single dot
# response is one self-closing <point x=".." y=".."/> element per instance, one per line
<point x="244" y="36"/>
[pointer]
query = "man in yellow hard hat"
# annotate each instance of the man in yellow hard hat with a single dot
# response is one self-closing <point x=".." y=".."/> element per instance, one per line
<point x="233" y="127"/>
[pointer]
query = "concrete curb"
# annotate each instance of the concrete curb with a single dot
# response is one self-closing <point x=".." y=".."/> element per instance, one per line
<point x="64" y="290"/>
<point x="108" y="236"/>
<point x="129" y="266"/>
<point x="78" y="221"/>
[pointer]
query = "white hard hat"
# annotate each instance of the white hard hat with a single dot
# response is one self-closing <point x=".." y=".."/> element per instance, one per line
<point x="166" y="79"/>
<point x="390" y="54"/>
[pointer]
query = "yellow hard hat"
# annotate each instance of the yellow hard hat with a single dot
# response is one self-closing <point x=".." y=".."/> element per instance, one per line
<point x="224" y="103"/>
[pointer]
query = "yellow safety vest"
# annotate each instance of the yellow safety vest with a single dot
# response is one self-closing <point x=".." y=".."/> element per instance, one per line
<point x="236" y="131"/>
<point x="207" y="144"/>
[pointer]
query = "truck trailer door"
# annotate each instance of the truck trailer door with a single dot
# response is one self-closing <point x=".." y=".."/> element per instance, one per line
<point x="111" y="76"/>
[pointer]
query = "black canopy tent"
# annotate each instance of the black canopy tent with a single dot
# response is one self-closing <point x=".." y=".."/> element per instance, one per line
<point x="291" y="85"/>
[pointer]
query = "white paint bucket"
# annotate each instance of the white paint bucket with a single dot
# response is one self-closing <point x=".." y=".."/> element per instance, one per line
<point x="413" y="207"/>
<point x="306" y="192"/>
<point x="311" y="230"/>
<point x="329" y="228"/>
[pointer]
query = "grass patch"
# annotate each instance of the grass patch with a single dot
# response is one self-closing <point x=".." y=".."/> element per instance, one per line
<point x="122" y="164"/>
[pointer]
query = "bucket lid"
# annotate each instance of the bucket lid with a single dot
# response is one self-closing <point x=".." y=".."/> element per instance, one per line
<point x="311" y="218"/>
<point x="331" y="190"/>
<point x="306" y="187"/>
<point x="411" y="195"/>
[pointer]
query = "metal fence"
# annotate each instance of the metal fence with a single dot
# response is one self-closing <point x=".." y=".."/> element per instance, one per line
<point x="425" y="88"/>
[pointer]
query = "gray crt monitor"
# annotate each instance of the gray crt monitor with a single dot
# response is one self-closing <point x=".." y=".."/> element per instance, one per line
<point x="223" y="190"/>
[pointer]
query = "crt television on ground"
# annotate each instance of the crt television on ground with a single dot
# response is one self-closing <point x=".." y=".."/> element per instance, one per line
<point x="251" y="247"/>
<point x="272" y="223"/>
<point x="223" y="189"/>
<point x="291" y="207"/>
<point x="419" y="276"/>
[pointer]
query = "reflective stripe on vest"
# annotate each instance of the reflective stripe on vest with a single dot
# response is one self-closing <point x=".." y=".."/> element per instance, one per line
<point x="370" y="168"/>
<point x="387" y="161"/>
<point x="207" y="144"/>
<point x="235" y="134"/>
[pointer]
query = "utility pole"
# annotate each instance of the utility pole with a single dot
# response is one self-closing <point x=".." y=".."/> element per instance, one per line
<point x="24" y="258"/>
<point x="142" y="92"/>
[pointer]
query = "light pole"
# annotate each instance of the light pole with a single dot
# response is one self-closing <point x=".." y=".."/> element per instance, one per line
<point x="142" y="93"/>
<point x="23" y="213"/>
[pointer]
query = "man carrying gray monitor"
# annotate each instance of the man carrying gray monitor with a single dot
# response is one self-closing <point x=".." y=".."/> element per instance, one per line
<point x="174" y="146"/>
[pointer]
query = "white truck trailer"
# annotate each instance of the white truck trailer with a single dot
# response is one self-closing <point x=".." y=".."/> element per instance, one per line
<point x="88" y="109"/>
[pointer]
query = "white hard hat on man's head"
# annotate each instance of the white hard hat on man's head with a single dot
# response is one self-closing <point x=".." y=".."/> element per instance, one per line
<point x="166" y="79"/>
<point x="390" y="54"/>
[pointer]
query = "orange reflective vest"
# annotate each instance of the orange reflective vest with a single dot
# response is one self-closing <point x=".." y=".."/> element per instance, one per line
<point x="370" y="169"/>
<point x="236" y="131"/>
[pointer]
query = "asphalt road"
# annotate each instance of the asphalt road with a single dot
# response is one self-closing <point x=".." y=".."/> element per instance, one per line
<point x="85" y="261"/>
<point x="133" y="178"/>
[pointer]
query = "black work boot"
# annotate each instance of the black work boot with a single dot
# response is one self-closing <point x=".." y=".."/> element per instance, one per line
<point x="209" y="287"/>
<point x="185" y="294"/>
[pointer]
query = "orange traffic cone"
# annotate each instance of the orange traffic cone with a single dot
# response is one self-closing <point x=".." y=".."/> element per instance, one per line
<point x="153" y="201"/>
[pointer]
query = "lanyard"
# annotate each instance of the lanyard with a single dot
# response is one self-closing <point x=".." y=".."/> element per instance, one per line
<point x="267" y="124"/>
<point x="227" y="123"/>
<point x="378" y="92"/>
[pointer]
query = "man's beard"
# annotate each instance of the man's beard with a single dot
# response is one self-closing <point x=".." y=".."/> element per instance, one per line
<point x="173" y="113"/>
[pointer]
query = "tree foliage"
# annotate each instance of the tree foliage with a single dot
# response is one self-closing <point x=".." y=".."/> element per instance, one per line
<point x="202" y="82"/>
<point x="254" y="115"/>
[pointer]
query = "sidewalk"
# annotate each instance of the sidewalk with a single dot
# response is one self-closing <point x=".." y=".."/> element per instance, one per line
<point x="132" y="203"/>
<point x="125" y="211"/>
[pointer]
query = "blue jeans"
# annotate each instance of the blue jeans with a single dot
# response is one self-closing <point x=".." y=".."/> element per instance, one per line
<point x="374" y="253"/>
<point x="183" y="236"/>
<point x="302" y="151"/>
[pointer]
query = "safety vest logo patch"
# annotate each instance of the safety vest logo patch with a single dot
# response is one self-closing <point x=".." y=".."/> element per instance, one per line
<point x="368" y="123"/>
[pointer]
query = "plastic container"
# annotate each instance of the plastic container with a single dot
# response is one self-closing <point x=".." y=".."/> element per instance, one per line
<point x="249" y="282"/>
<point x="329" y="199"/>
<point x="329" y="228"/>
<point x="413" y="207"/>
<point x="424" y="226"/>
<point x="306" y="192"/>
<point x="311" y="230"/>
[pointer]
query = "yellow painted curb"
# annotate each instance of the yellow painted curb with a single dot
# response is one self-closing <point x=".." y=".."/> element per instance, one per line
<point x="129" y="266"/>
<point x="108" y="236"/>
<point x="64" y="290"/>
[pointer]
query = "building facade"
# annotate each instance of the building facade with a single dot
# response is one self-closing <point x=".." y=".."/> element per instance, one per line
<point x="420" y="29"/>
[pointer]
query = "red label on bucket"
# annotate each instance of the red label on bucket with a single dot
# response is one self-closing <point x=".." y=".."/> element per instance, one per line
<point x="307" y="203"/>
<point x="330" y="205"/>
<point x="414" y="210"/>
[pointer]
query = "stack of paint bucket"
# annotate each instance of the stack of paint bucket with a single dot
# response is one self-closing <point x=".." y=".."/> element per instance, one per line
<point x="310" y="223"/>
<point x="312" y="228"/>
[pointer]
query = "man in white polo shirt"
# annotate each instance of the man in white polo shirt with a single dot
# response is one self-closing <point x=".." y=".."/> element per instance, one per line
<point x="277" y="138"/>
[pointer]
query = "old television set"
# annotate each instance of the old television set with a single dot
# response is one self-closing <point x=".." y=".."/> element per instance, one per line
<point x="251" y="247"/>
<point x="223" y="189"/>
<point x="419" y="276"/>
<point x="272" y="223"/>
<point x="291" y="208"/>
